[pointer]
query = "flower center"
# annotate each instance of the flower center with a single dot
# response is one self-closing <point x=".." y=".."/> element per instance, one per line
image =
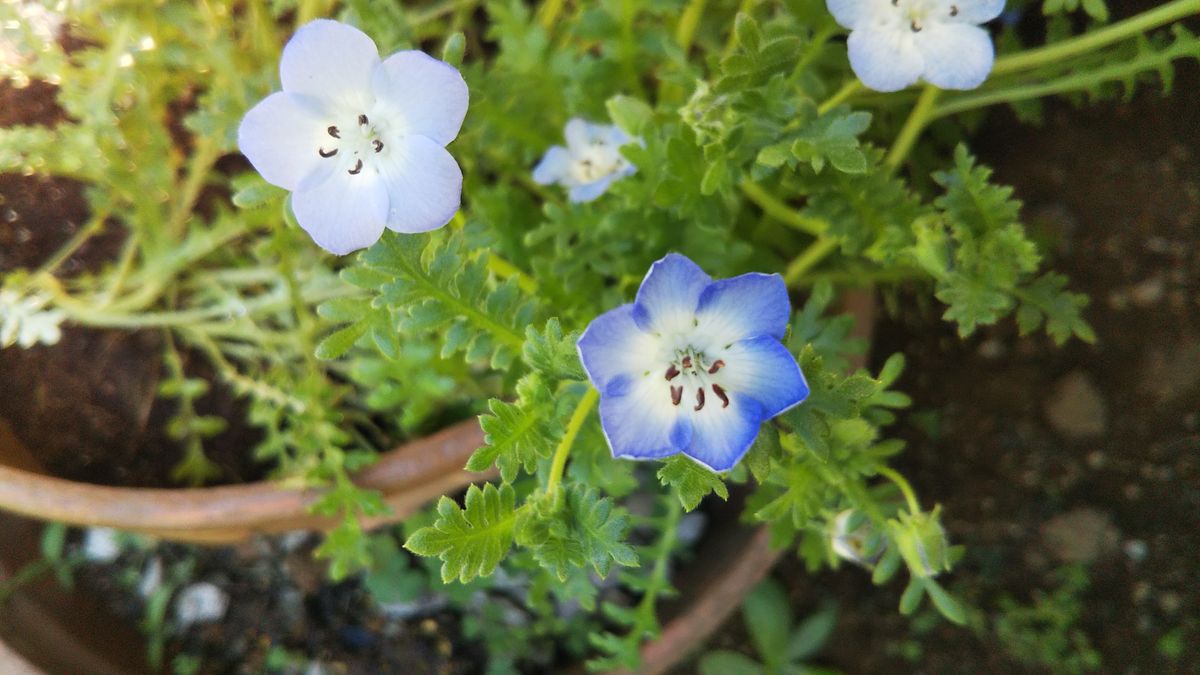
<point x="689" y="371"/>
<point x="595" y="161"/>
<point x="354" y="144"/>
<point x="917" y="12"/>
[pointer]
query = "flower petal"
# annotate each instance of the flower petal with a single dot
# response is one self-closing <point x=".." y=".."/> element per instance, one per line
<point x="613" y="345"/>
<point x="281" y="136"/>
<point x="744" y="306"/>
<point x="669" y="295"/>
<point x="554" y="167"/>
<point x="424" y="184"/>
<point x="639" y="420"/>
<point x="579" y="133"/>
<point x="763" y="369"/>
<point x="343" y="213"/>
<point x="885" y="60"/>
<point x="722" y="435"/>
<point x="331" y="61"/>
<point x="587" y="192"/>
<point x="855" y="13"/>
<point x="970" y="11"/>
<point x="957" y="56"/>
<point x="422" y="94"/>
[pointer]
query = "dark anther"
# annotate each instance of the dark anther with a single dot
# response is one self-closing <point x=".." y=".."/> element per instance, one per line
<point x="953" y="10"/>
<point x="378" y="144"/>
<point x="720" y="392"/>
<point x="895" y="3"/>
<point x="687" y="362"/>
<point x="333" y="131"/>
<point x="676" y="395"/>
<point x="699" y="400"/>
<point x="357" y="168"/>
<point x="362" y="119"/>
<point x="916" y="27"/>
<point x="672" y="372"/>
<point x="717" y="365"/>
<point x="322" y="153"/>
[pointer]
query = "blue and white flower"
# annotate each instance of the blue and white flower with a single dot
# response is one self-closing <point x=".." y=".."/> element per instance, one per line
<point x="895" y="43"/>
<point x="693" y="365"/>
<point x="589" y="163"/>
<point x="359" y="142"/>
<point x="25" y="321"/>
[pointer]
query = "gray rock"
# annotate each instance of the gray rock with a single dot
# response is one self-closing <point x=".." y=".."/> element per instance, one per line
<point x="1080" y="535"/>
<point x="1076" y="408"/>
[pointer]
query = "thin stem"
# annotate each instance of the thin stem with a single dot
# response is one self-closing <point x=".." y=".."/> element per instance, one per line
<point x="914" y="506"/>
<point x="841" y="96"/>
<point x="746" y="7"/>
<point x="781" y="211"/>
<point x="808" y="259"/>
<point x="559" y="463"/>
<point x="438" y="11"/>
<point x="913" y="127"/>
<point x="685" y="32"/>
<point x="506" y="270"/>
<point x="86" y="232"/>
<point x="1088" y="42"/>
<point x="549" y="12"/>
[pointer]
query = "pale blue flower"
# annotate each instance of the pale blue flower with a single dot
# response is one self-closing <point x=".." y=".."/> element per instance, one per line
<point x="359" y="142"/>
<point x="693" y="365"/>
<point x="895" y="43"/>
<point x="589" y="163"/>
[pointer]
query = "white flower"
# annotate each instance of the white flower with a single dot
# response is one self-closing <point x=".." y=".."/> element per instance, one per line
<point x="152" y="576"/>
<point x="894" y="43"/>
<point x="200" y="603"/>
<point x="360" y="142"/>
<point x="100" y="544"/>
<point x="590" y="163"/>
<point x="853" y="538"/>
<point x="25" y="322"/>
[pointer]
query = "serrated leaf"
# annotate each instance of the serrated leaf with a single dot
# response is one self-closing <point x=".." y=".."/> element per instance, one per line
<point x="691" y="482"/>
<point x="552" y="353"/>
<point x="337" y="343"/>
<point x="631" y="114"/>
<point x="470" y="541"/>
<point x="579" y="529"/>
<point x="517" y="435"/>
<point x="833" y="137"/>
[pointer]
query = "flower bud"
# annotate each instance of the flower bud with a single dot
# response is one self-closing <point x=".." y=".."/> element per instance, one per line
<point x="922" y="542"/>
<point x="854" y="538"/>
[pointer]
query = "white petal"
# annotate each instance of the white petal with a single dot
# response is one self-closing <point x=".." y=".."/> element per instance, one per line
<point x="856" y="13"/>
<point x="613" y="345"/>
<point x="330" y="61"/>
<point x="578" y="133"/>
<point x="426" y="96"/>
<point x="667" y="299"/>
<point x="969" y="11"/>
<point x="281" y="137"/>
<point x="424" y="185"/>
<point x="580" y="194"/>
<point x="554" y="167"/>
<point x="957" y="56"/>
<point x="885" y="60"/>
<point x="344" y="213"/>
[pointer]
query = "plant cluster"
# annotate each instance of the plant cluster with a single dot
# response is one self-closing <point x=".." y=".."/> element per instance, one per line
<point x="753" y="147"/>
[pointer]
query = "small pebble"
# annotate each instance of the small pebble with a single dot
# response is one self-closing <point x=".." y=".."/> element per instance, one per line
<point x="200" y="603"/>
<point x="100" y="544"/>
<point x="152" y="575"/>
<point x="1135" y="549"/>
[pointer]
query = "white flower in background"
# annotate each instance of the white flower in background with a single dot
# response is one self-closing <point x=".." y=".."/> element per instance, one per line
<point x="853" y="538"/>
<point x="200" y="603"/>
<point x="35" y="27"/>
<point x="100" y="544"/>
<point x="25" y="322"/>
<point x="590" y="163"/>
<point x="359" y="142"/>
<point x="894" y="43"/>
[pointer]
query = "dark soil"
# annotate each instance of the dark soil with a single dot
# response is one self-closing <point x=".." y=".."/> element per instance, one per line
<point x="1035" y="470"/>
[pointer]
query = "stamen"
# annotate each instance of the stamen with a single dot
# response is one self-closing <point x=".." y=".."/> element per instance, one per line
<point x="362" y="119"/>
<point x="916" y="27"/>
<point x="720" y="392"/>
<point x="378" y="144"/>
<point x="687" y="362"/>
<point x="357" y="168"/>
<point x="953" y="10"/>
<point x="717" y="365"/>
<point x="676" y="395"/>
<point x="672" y="372"/>
<point x="699" y="400"/>
<point x="331" y="153"/>
<point x="333" y="131"/>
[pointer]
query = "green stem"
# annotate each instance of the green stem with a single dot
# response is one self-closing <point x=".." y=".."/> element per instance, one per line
<point x="1057" y="53"/>
<point x="86" y="232"/>
<point x="815" y="253"/>
<point x="549" y="12"/>
<point x="912" y="128"/>
<point x="685" y="32"/>
<point x="781" y="211"/>
<point x="841" y="96"/>
<point x="559" y="463"/>
<point x="914" y="506"/>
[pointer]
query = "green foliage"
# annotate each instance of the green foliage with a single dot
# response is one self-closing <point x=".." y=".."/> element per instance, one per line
<point x="472" y="540"/>
<point x="690" y="481"/>
<point x="574" y="529"/>
<point x="1046" y="632"/>
<point x="518" y="435"/>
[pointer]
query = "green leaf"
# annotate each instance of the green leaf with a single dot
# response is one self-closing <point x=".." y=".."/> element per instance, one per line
<point x="337" y="343"/>
<point x="946" y="604"/>
<point x="834" y="137"/>
<point x="251" y="191"/>
<point x="553" y="354"/>
<point x="633" y="115"/>
<point x="691" y="481"/>
<point x="470" y="541"/>
<point x="911" y="598"/>
<point x="580" y="528"/>
<point x="768" y="620"/>
<point x="765" y="448"/>
<point x="517" y="435"/>
<point x="54" y="540"/>
<point x="726" y="662"/>
<point x="453" y="49"/>
<point x="812" y="634"/>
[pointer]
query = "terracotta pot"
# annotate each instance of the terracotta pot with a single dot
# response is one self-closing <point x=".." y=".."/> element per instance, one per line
<point x="56" y="630"/>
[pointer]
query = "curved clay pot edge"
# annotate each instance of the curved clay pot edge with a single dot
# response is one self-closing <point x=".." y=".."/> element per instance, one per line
<point x="228" y="513"/>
